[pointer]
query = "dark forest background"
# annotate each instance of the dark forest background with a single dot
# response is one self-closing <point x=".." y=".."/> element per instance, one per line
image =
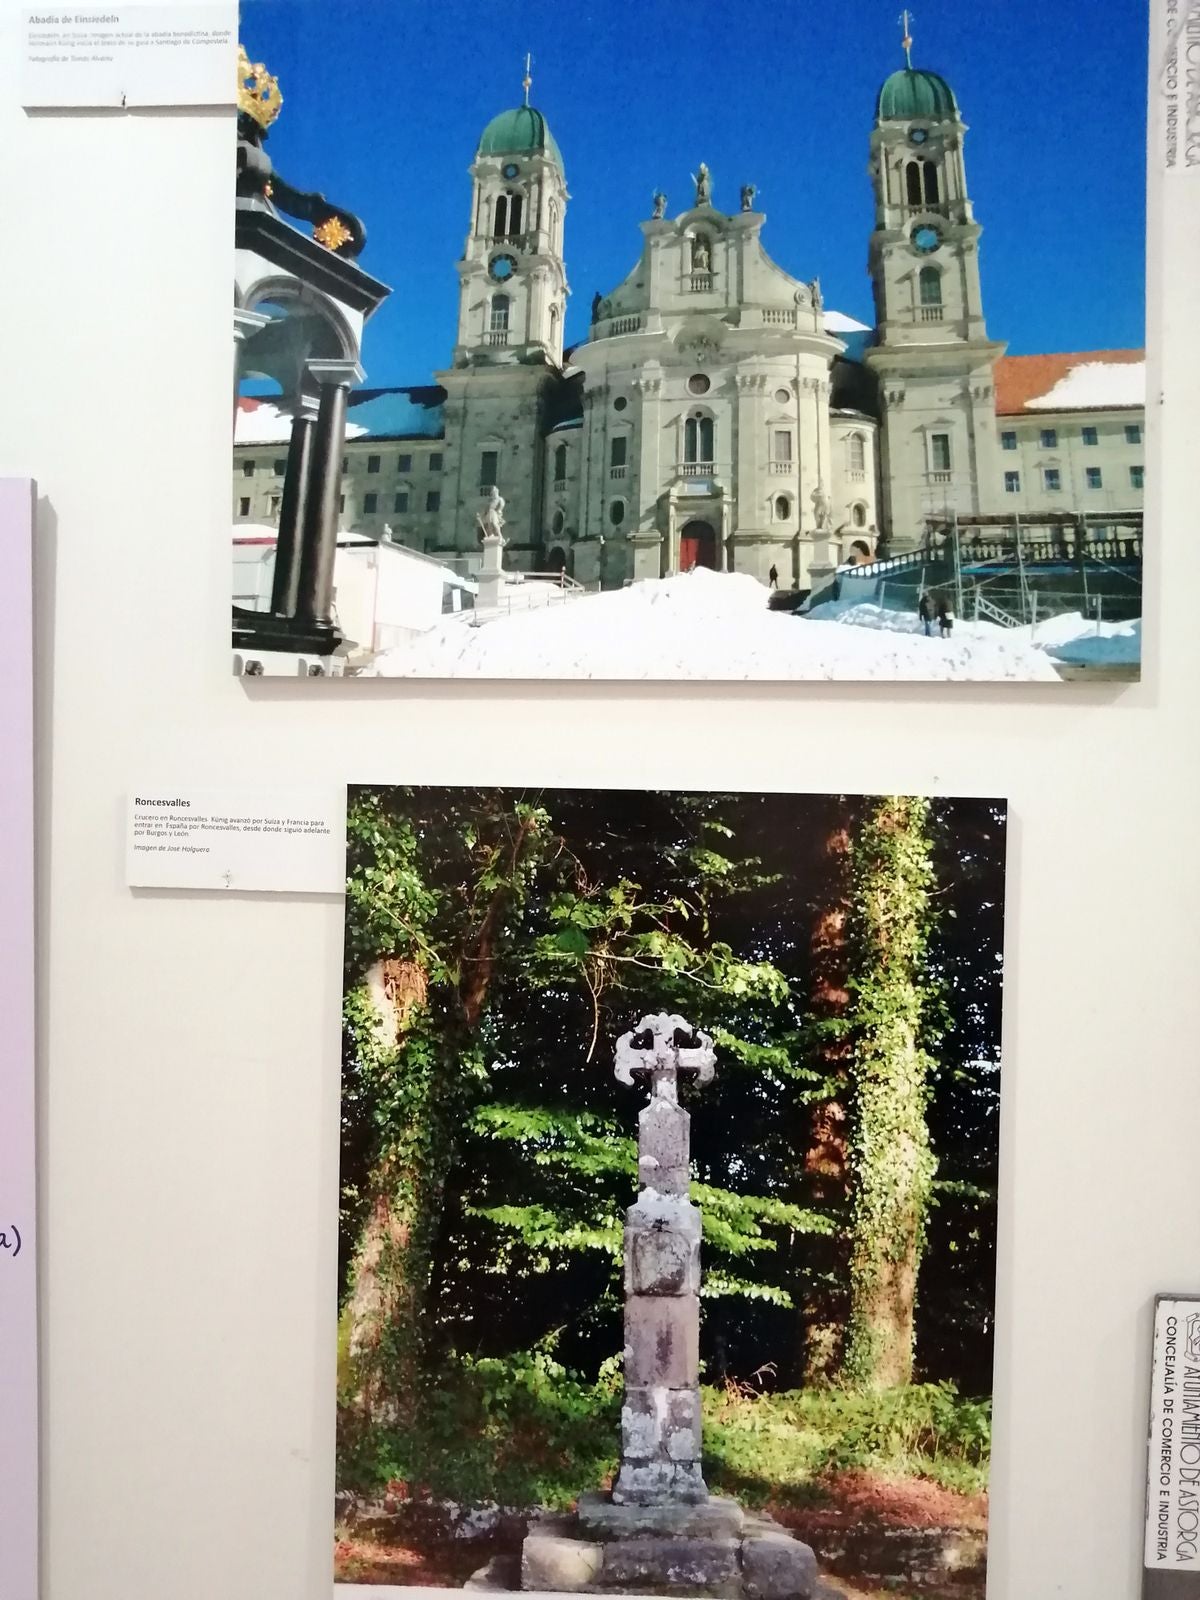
<point x="846" y="954"/>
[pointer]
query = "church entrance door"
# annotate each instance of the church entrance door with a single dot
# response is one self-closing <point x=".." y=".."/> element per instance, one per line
<point x="697" y="546"/>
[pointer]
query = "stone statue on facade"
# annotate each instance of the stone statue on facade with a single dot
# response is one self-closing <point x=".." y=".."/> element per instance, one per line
<point x="703" y="181"/>
<point x="822" y="508"/>
<point x="701" y="256"/>
<point x="597" y="302"/>
<point x="491" y="518"/>
<point x="660" y="205"/>
<point x="814" y="289"/>
<point x="749" y="190"/>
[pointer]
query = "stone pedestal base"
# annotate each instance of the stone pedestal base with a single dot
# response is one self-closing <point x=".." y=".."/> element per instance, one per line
<point x="714" y="1549"/>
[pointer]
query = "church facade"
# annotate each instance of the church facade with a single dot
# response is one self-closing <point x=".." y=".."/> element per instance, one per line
<point x="718" y="414"/>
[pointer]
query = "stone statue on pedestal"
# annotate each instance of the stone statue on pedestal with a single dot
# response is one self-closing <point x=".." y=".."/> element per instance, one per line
<point x="822" y="508"/>
<point x="748" y="193"/>
<point x="660" y="205"/>
<point x="703" y="181"/>
<point x="491" y="518"/>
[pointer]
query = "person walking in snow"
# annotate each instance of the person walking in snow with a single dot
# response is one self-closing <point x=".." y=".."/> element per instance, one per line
<point x="773" y="576"/>
<point x="926" y="611"/>
<point x="945" y="618"/>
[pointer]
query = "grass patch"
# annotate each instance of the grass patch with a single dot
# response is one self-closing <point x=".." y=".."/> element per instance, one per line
<point x="525" y="1432"/>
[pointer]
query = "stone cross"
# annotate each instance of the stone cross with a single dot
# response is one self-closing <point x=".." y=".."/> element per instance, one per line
<point x="660" y="1417"/>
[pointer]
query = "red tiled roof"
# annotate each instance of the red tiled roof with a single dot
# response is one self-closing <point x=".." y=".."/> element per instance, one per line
<point x="1020" y="379"/>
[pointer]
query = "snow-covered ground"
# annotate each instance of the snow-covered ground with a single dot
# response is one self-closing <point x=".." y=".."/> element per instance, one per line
<point x="1069" y="637"/>
<point x="711" y="625"/>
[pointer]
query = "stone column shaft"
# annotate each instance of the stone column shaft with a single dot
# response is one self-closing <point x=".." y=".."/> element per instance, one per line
<point x="285" y="588"/>
<point x="319" y="531"/>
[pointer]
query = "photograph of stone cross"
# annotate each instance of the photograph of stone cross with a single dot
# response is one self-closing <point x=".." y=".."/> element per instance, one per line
<point x="660" y="1419"/>
<point x="660" y="1530"/>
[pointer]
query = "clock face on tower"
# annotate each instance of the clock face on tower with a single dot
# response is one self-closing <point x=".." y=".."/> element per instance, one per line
<point x="501" y="268"/>
<point x="918" y="135"/>
<point x="925" y="238"/>
<point x="510" y="169"/>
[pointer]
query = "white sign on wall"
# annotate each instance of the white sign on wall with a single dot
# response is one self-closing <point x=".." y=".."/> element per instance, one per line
<point x="229" y="839"/>
<point x="129" y="55"/>
<point x="1173" y="1482"/>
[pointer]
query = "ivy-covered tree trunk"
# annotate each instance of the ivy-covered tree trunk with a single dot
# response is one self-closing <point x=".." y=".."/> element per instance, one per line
<point x="892" y="1164"/>
<point x="412" y="1028"/>
<point x="826" y="1172"/>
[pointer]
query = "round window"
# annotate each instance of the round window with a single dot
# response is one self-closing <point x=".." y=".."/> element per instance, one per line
<point x="620" y="403"/>
<point x="616" y="513"/>
<point x="925" y="238"/>
<point x="698" y="383"/>
<point x="918" y="135"/>
<point x="783" y="396"/>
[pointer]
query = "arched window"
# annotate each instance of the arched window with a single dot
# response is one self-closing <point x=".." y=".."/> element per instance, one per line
<point x="858" y="515"/>
<point x="912" y="181"/>
<point x="783" y="508"/>
<point x="931" y="286"/>
<point x="552" y="213"/>
<point x="616" y="513"/>
<point x="857" y="447"/>
<point x="500" y="310"/>
<point x="559" y="522"/>
<point x="554" y="327"/>
<point x="560" y="463"/>
<point x="508" y="215"/>
<point x="698" y="439"/>
<point x="931" y="183"/>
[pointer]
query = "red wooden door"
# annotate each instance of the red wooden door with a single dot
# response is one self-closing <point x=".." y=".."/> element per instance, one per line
<point x="697" y="546"/>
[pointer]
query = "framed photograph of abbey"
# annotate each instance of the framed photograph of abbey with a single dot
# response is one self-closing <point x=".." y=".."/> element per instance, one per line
<point x="643" y="357"/>
<point x="669" y="1143"/>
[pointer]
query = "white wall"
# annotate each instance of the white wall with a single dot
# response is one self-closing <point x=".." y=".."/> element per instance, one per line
<point x="189" y="1043"/>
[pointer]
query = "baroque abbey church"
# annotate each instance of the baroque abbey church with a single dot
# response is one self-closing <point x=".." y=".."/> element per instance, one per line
<point x="718" y="414"/>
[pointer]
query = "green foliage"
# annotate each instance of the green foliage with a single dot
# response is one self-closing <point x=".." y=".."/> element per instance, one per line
<point x="522" y="1431"/>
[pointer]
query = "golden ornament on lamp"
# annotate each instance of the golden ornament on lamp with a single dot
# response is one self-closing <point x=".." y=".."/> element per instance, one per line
<point x="332" y="233"/>
<point x="258" y="91"/>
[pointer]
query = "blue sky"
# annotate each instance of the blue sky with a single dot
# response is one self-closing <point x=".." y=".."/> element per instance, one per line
<point x="384" y="101"/>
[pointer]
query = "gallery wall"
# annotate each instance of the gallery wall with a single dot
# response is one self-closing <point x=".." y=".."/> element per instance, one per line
<point x="189" y="1042"/>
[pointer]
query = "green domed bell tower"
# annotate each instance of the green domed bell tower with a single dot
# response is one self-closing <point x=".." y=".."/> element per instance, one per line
<point x="513" y="284"/>
<point x="931" y="353"/>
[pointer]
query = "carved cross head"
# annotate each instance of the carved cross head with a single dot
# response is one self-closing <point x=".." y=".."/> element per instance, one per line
<point x="660" y="1050"/>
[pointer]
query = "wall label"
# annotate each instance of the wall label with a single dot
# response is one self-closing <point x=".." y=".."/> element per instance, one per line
<point x="229" y="839"/>
<point x="129" y="55"/>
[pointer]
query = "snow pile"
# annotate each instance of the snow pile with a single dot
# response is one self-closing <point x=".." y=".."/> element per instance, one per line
<point x="1096" y="384"/>
<point x="1069" y="637"/>
<point x="701" y="625"/>
<point x="839" y="322"/>
<point x="262" y="422"/>
<point x="1073" y="639"/>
